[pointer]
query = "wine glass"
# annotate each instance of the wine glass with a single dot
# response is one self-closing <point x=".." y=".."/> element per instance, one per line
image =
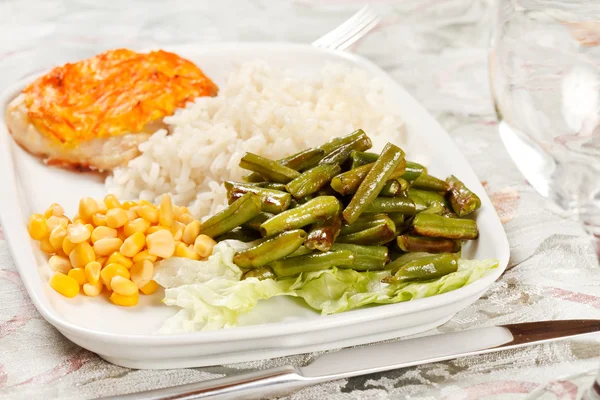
<point x="545" y="78"/>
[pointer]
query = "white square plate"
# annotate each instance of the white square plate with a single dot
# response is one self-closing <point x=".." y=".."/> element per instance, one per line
<point x="277" y="327"/>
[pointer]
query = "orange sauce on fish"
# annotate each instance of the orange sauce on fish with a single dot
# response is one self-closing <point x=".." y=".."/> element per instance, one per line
<point x="113" y="93"/>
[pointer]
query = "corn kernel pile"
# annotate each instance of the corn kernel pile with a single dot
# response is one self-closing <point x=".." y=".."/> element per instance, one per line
<point x="112" y="246"/>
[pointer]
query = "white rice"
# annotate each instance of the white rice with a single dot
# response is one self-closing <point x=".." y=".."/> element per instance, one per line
<point x="260" y="109"/>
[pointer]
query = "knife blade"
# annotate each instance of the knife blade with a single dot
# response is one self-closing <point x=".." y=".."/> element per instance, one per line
<point x="355" y="361"/>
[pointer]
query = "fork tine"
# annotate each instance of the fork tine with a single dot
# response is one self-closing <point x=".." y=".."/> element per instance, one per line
<point x="362" y="27"/>
<point x="358" y="35"/>
<point x="340" y="30"/>
<point x="349" y="31"/>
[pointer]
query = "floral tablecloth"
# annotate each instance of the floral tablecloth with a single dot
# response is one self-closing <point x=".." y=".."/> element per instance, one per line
<point x="437" y="50"/>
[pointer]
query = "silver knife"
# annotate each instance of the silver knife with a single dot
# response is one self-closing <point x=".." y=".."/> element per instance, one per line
<point x="355" y="361"/>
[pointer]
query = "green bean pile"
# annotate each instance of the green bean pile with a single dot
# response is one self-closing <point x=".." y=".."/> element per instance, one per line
<point x="340" y="206"/>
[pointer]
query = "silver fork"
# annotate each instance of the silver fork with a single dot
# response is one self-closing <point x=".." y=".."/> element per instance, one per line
<point x="350" y="31"/>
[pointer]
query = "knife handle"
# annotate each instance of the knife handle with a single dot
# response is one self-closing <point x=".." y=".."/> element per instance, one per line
<point x="264" y="383"/>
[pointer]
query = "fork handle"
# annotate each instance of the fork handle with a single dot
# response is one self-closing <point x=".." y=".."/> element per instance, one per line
<point x="259" y="384"/>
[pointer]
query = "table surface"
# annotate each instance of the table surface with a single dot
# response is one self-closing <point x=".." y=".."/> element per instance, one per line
<point x="437" y="50"/>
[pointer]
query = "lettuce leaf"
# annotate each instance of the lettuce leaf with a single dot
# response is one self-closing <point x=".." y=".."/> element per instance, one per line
<point x="212" y="296"/>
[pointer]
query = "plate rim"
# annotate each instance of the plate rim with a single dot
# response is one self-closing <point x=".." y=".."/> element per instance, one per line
<point x="12" y="225"/>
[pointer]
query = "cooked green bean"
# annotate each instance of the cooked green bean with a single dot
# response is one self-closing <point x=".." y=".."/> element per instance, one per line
<point x="312" y="211"/>
<point x="399" y="259"/>
<point x="366" y="221"/>
<point x="411" y="243"/>
<point x="349" y="181"/>
<point x="270" y="185"/>
<point x="312" y="262"/>
<point x="269" y="169"/>
<point x="450" y="228"/>
<point x="376" y="235"/>
<point x="342" y="153"/>
<point x="391" y="188"/>
<point x="239" y="212"/>
<point x="404" y="185"/>
<point x="312" y="180"/>
<point x="362" y="158"/>
<point x="302" y="250"/>
<point x="369" y="189"/>
<point x="241" y="234"/>
<point x="261" y="274"/>
<point x="413" y="171"/>
<point x="463" y="201"/>
<point x="271" y="249"/>
<point x="425" y="268"/>
<point x="273" y="201"/>
<point x="257" y="221"/>
<point x="303" y="160"/>
<point x="366" y="258"/>
<point x="402" y="205"/>
<point x="428" y="182"/>
<point x="336" y="142"/>
<point x="323" y="234"/>
<point x="430" y="198"/>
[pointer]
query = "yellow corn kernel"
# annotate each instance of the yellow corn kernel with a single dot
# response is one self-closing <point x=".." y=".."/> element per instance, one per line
<point x="102" y="208"/>
<point x="179" y="211"/>
<point x="68" y="246"/>
<point x="60" y="264"/>
<point x="99" y="219"/>
<point x="126" y="301"/>
<point x="64" y="284"/>
<point x="191" y="232"/>
<point x="145" y="203"/>
<point x="87" y="208"/>
<point x="142" y="272"/>
<point x="112" y="270"/>
<point x="103" y="232"/>
<point x="46" y="246"/>
<point x="90" y="228"/>
<point x="165" y="211"/>
<point x="111" y="201"/>
<point x="185" y="218"/>
<point x="133" y="244"/>
<point x="136" y="209"/>
<point x="118" y="258"/>
<point x="144" y="255"/>
<point x="92" y="289"/>
<point x="203" y="245"/>
<point x="55" y="210"/>
<point x="137" y="225"/>
<point x="128" y="204"/>
<point x="54" y="221"/>
<point x="92" y="272"/>
<point x="79" y="275"/>
<point x="131" y="215"/>
<point x="149" y="287"/>
<point x="183" y="250"/>
<point x="105" y="247"/>
<point x="149" y="213"/>
<point x="57" y="236"/>
<point x="161" y="243"/>
<point x="81" y="255"/>
<point x="123" y="286"/>
<point x="177" y="230"/>
<point x="78" y="233"/>
<point x="154" y="229"/>
<point x="116" y="218"/>
<point x="37" y="227"/>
